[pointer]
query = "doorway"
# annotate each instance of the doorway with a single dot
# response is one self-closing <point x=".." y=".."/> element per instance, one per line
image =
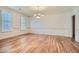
<point x="73" y="27"/>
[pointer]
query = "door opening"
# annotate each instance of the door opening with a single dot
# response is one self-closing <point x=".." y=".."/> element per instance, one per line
<point x="73" y="27"/>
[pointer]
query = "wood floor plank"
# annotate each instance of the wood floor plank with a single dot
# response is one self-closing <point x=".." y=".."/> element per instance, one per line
<point x="34" y="43"/>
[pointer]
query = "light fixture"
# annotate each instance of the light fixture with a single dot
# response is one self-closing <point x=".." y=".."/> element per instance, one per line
<point x="38" y="12"/>
<point x="38" y="15"/>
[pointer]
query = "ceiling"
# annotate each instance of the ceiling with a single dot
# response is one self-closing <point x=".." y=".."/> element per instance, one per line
<point x="47" y="10"/>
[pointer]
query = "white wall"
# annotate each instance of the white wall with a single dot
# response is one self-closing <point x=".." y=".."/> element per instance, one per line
<point x="16" y="24"/>
<point x="76" y="12"/>
<point x="59" y="24"/>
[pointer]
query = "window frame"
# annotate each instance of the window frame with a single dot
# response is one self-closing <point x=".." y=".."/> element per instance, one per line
<point x="20" y="22"/>
<point x="11" y="15"/>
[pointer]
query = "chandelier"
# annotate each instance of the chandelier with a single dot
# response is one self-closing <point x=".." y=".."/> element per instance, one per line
<point x="38" y="15"/>
<point x="38" y="12"/>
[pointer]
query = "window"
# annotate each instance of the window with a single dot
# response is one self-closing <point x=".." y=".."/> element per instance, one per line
<point x="6" y="21"/>
<point x="23" y="23"/>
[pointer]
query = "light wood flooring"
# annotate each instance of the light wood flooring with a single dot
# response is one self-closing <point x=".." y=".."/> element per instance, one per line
<point x="34" y="43"/>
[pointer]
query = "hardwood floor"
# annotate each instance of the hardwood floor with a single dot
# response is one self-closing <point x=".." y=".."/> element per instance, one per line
<point x="39" y="44"/>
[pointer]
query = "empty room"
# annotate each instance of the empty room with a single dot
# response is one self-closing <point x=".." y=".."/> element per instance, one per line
<point x="39" y="29"/>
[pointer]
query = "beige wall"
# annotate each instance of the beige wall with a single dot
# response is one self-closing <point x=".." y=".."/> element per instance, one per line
<point x="59" y="24"/>
<point x="16" y="24"/>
